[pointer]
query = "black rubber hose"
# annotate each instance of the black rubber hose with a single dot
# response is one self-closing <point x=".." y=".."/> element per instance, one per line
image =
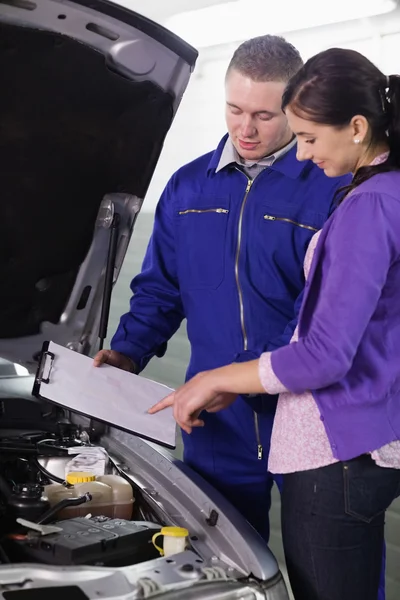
<point x="47" y="473"/>
<point x="63" y="504"/>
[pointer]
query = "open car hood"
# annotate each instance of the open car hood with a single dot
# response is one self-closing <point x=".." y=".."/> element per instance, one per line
<point x="89" y="92"/>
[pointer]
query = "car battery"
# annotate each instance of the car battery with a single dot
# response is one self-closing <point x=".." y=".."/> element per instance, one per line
<point x="82" y="541"/>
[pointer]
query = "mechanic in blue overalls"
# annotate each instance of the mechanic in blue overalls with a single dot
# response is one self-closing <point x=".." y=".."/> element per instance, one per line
<point x="227" y="249"/>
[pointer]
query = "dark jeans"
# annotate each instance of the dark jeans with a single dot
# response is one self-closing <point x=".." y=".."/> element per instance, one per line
<point x="333" y="528"/>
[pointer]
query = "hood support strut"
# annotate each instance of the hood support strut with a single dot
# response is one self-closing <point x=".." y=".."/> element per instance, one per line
<point x="109" y="279"/>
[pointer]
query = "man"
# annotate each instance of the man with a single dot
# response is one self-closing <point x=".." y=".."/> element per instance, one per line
<point x="230" y="233"/>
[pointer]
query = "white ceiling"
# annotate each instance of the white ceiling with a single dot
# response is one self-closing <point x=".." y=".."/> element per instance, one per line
<point x="160" y="10"/>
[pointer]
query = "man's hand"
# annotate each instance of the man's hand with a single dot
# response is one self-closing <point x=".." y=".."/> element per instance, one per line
<point x="198" y="394"/>
<point x="115" y="359"/>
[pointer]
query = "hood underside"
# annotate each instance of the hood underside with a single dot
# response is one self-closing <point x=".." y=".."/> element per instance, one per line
<point x="77" y="123"/>
<point x="71" y="131"/>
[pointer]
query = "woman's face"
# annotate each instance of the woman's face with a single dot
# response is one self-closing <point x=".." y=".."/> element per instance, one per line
<point x="332" y="149"/>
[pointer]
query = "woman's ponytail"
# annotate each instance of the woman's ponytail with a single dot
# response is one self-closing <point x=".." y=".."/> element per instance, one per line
<point x="392" y="97"/>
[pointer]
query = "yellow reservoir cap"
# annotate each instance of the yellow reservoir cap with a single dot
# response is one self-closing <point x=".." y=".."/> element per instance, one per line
<point x="80" y="477"/>
<point x="174" y="531"/>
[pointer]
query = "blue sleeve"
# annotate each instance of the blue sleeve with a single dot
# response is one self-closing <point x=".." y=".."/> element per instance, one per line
<point x="156" y="310"/>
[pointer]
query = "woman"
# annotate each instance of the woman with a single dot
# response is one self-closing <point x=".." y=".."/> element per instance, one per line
<point x="336" y="446"/>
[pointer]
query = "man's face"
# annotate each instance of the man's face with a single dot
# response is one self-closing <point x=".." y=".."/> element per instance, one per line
<point x="256" y="124"/>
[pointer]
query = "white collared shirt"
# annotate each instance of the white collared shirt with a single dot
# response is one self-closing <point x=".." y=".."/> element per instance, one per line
<point x="230" y="155"/>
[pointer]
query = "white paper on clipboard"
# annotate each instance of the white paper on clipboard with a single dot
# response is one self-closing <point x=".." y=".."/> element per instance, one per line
<point x="105" y="393"/>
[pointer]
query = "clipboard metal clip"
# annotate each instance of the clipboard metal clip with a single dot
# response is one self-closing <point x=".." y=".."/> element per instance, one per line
<point x="45" y="367"/>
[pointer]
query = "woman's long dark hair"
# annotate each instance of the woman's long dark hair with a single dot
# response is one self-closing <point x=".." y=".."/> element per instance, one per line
<point x="337" y="84"/>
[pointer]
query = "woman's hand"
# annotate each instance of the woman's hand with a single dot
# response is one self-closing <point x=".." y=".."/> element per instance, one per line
<point x="211" y="391"/>
<point x="198" y="394"/>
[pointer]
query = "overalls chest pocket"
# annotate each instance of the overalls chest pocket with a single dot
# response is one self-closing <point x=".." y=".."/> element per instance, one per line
<point x="284" y="233"/>
<point x="201" y="226"/>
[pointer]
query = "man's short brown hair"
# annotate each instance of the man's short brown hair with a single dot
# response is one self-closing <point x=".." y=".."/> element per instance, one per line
<point x="266" y="58"/>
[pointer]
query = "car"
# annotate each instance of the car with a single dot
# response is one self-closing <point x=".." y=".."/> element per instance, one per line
<point x="89" y="93"/>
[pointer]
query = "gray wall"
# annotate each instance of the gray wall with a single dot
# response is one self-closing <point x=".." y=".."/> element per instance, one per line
<point x="171" y="369"/>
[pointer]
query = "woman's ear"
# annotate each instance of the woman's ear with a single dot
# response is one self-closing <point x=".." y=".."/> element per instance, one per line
<point x="359" y="128"/>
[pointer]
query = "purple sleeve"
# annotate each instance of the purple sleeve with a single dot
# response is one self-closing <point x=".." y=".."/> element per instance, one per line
<point x="353" y="263"/>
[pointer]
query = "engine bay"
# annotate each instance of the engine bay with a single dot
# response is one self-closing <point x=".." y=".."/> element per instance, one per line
<point x="80" y="503"/>
<point x="65" y="501"/>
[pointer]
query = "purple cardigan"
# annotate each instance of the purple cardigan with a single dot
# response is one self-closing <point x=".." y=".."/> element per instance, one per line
<point x="348" y="351"/>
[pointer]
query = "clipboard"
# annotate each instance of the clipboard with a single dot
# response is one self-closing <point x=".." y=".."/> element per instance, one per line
<point x="115" y="397"/>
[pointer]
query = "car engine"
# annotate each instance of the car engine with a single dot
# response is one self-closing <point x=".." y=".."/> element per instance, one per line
<point x="63" y="501"/>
